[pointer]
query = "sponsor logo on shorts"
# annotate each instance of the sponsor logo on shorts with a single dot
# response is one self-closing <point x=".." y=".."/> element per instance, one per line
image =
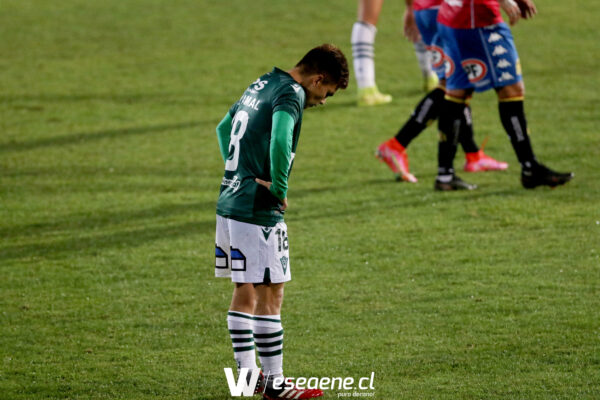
<point x="503" y="63"/>
<point x="506" y="76"/>
<point x="499" y="50"/>
<point x="232" y="183"/>
<point x="475" y="69"/>
<point x="437" y="56"/>
<point x="494" y="37"/>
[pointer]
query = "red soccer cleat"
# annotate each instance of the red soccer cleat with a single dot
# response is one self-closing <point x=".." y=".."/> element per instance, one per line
<point x="479" y="161"/>
<point x="394" y="155"/>
<point x="291" y="393"/>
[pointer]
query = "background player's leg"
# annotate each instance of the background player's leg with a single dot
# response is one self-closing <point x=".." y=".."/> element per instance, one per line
<point x="363" y="53"/>
<point x="512" y="113"/>
<point x="430" y="78"/>
<point x="450" y="124"/>
<point x="476" y="159"/>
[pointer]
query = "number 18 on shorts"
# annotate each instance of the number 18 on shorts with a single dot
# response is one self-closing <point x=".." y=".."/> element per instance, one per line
<point x="251" y="253"/>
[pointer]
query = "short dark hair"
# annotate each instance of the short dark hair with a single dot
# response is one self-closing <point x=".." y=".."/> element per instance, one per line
<point x="328" y="60"/>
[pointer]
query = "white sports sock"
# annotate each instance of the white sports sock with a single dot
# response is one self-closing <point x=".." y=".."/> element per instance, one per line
<point x="240" y="327"/>
<point x="363" y="53"/>
<point x="268" y="337"/>
<point x="423" y="57"/>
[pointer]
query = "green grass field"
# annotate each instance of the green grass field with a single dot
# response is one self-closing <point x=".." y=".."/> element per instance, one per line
<point x="109" y="174"/>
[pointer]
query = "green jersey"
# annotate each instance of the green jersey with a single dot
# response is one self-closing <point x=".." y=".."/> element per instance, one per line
<point x="249" y="148"/>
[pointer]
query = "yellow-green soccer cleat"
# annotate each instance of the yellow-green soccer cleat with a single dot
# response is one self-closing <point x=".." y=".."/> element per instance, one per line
<point x="371" y="96"/>
<point x="430" y="82"/>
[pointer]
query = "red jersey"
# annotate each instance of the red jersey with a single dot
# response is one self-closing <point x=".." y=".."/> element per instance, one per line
<point x="425" y="4"/>
<point x="469" y="14"/>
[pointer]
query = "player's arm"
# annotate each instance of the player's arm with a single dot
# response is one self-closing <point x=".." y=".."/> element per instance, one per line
<point x="281" y="152"/>
<point x="410" y="25"/>
<point x="282" y="130"/>
<point x="224" y="135"/>
<point x="516" y="9"/>
<point x="527" y="7"/>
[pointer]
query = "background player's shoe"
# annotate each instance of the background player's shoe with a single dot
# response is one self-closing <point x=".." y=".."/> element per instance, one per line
<point x="271" y="393"/>
<point x="394" y="155"/>
<point x="479" y="161"/>
<point x="430" y="82"/>
<point x="455" y="183"/>
<point x="540" y="175"/>
<point x="371" y="96"/>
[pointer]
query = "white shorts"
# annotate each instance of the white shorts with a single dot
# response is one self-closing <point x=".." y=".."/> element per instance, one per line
<point x="251" y="253"/>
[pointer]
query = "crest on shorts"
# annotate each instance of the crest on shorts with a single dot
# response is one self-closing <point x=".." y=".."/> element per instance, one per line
<point x="266" y="233"/>
<point x="284" y="264"/>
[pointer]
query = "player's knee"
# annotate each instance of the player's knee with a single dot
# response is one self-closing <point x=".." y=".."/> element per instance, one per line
<point x="511" y="91"/>
<point x="458" y="93"/>
<point x="244" y="298"/>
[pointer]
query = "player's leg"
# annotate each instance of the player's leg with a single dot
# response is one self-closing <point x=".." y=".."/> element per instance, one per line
<point x="268" y="331"/>
<point x="512" y="114"/>
<point x="230" y="260"/>
<point x="393" y="151"/>
<point x="450" y="124"/>
<point x="430" y="78"/>
<point x="451" y="118"/>
<point x="475" y="158"/>
<point x="363" y="53"/>
<point x="241" y="324"/>
<point x="510" y="89"/>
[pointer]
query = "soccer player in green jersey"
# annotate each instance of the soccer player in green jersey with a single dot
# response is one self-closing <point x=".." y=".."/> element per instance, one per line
<point x="258" y="139"/>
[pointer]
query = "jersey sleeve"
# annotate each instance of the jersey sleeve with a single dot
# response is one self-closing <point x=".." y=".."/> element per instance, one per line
<point x="280" y="152"/>
<point x="223" y="135"/>
<point x="290" y="98"/>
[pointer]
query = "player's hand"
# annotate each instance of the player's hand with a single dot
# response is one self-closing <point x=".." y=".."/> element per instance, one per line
<point x="267" y="184"/>
<point x="527" y="8"/>
<point x="511" y="8"/>
<point x="411" y="32"/>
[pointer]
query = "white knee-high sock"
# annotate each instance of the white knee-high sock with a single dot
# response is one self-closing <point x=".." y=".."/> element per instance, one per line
<point x="363" y="53"/>
<point x="268" y="337"/>
<point x="423" y="57"/>
<point x="240" y="327"/>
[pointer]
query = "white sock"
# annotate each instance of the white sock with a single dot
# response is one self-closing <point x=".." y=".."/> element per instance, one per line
<point x="268" y="337"/>
<point x="240" y="327"/>
<point x="363" y="53"/>
<point x="423" y="57"/>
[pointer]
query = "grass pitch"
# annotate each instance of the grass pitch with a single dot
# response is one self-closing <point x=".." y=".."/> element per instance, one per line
<point x="109" y="173"/>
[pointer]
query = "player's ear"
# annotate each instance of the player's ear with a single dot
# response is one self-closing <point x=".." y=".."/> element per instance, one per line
<point x="318" y="79"/>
